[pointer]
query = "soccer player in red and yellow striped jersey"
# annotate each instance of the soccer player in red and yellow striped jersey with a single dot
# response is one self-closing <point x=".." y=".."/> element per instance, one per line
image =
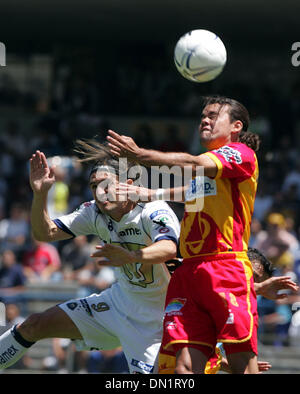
<point x="211" y="297"/>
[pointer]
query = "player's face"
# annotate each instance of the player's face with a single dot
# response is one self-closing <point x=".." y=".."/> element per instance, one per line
<point x="103" y="186"/>
<point x="215" y="127"/>
<point x="259" y="274"/>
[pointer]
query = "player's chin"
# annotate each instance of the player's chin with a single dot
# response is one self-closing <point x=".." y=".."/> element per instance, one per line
<point x="205" y="138"/>
<point x="105" y="205"/>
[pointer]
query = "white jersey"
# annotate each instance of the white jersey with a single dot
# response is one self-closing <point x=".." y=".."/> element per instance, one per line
<point x="145" y="224"/>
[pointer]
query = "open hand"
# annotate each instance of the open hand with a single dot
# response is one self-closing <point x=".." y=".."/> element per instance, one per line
<point x="270" y="287"/>
<point x="134" y="193"/>
<point x="113" y="255"/>
<point x="122" y="145"/>
<point x="41" y="175"/>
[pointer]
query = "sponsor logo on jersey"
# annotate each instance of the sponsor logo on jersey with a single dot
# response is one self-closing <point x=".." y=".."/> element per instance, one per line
<point x="230" y="319"/>
<point x="142" y="365"/>
<point x="201" y="187"/>
<point x="129" y="231"/>
<point x="174" y="306"/>
<point x="8" y="354"/>
<point x="159" y="212"/>
<point x="170" y="325"/>
<point x="230" y="154"/>
<point x="161" y="221"/>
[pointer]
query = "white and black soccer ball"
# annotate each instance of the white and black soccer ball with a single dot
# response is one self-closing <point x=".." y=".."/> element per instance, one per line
<point x="200" y="55"/>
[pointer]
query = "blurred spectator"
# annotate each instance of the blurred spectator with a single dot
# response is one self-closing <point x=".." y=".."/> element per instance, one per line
<point x="256" y="229"/>
<point x="276" y="243"/>
<point x="42" y="262"/>
<point x="76" y="254"/>
<point x="15" y="141"/>
<point x="13" y="315"/>
<point x="274" y="318"/>
<point x="64" y="358"/>
<point x="263" y="202"/>
<point x="58" y="194"/>
<point x="293" y="179"/>
<point x="2" y="204"/>
<point x="12" y="278"/>
<point x="294" y="330"/>
<point x="14" y="230"/>
<point x="107" y="361"/>
<point x="94" y="278"/>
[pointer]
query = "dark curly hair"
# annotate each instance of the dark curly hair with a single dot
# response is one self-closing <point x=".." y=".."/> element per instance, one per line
<point x="255" y="254"/>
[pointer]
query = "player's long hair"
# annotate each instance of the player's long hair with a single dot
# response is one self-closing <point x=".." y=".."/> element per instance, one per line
<point x="93" y="152"/>
<point x="237" y="111"/>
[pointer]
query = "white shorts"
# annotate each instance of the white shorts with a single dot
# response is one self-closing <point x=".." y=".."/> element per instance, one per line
<point x="111" y="319"/>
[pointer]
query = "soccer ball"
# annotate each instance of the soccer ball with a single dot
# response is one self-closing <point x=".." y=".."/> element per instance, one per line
<point x="200" y="55"/>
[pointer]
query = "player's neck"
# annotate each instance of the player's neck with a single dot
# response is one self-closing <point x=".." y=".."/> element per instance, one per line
<point x="118" y="214"/>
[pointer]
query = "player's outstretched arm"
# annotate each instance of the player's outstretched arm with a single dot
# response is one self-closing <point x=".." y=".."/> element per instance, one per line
<point x="124" y="146"/>
<point x="114" y="255"/>
<point x="41" y="179"/>
<point x="142" y="194"/>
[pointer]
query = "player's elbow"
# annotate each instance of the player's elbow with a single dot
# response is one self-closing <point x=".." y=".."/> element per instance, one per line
<point x="41" y="236"/>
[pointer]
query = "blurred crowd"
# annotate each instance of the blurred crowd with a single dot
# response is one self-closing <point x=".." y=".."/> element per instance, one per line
<point x="73" y="108"/>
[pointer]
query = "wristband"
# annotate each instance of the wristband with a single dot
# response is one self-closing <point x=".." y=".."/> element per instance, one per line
<point x="159" y="194"/>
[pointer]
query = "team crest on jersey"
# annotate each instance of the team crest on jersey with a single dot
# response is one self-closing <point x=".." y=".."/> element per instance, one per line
<point x="100" y="307"/>
<point x="174" y="306"/>
<point x="72" y="305"/>
<point x="230" y="154"/>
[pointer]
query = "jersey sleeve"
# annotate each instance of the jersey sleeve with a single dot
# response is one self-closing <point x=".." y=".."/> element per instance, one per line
<point x="160" y="222"/>
<point x="79" y="222"/>
<point x="234" y="160"/>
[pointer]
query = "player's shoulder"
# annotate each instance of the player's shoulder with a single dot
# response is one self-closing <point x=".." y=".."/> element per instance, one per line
<point x="235" y="151"/>
<point x="155" y="209"/>
<point x="153" y="206"/>
<point x="87" y="207"/>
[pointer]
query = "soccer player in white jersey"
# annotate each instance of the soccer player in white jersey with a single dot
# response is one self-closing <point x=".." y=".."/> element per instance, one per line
<point x="143" y="236"/>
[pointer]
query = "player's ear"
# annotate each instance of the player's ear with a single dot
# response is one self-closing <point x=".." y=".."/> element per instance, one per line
<point x="237" y="127"/>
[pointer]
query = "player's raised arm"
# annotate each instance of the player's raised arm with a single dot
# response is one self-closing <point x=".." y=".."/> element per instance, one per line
<point x="123" y="146"/>
<point x="142" y="194"/>
<point x="41" y="179"/>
